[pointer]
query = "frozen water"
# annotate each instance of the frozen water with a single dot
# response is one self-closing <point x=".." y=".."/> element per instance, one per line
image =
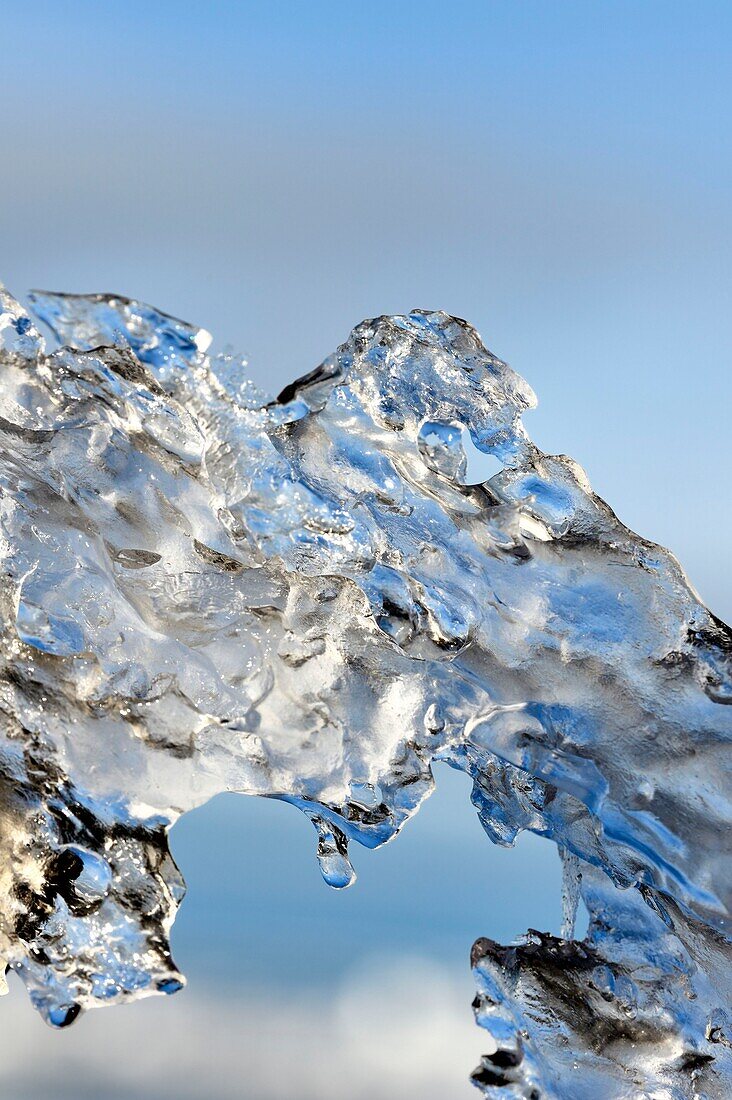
<point x="306" y="598"/>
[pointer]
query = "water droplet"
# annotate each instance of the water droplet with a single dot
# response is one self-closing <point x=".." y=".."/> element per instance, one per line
<point x="61" y="1015"/>
<point x="332" y="853"/>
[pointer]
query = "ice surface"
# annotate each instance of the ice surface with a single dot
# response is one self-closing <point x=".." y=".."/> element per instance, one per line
<point x="204" y="589"/>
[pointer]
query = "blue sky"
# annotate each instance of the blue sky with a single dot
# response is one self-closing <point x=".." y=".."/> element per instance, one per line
<point x="558" y="173"/>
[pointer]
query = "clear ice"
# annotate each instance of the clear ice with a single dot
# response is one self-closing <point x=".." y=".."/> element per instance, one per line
<point x="205" y="590"/>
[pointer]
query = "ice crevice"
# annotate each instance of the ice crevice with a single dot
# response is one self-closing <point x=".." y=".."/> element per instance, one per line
<point x="208" y="589"/>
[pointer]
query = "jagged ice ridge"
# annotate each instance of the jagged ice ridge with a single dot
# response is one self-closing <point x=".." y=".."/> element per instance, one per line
<point x="204" y="589"/>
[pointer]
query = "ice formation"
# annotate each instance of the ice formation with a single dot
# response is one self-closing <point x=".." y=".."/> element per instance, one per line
<point x="302" y="598"/>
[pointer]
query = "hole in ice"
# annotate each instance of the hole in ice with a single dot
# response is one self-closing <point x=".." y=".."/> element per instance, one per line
<point x="481" y="466"/>
<point x="448" y="449"/>
<point x="278" y="963"/>
<point x="258" y="911"/>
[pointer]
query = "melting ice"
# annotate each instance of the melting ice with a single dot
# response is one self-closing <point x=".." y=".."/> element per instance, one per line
<point x="204" y="589"/>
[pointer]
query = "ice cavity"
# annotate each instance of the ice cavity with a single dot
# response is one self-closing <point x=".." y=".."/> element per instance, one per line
<point x="205" y="589"/>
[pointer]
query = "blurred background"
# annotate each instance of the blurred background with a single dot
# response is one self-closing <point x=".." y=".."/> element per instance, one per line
<point x="558" y="174"/>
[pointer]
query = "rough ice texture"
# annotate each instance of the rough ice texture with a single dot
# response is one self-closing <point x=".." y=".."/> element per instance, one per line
<point x="206" y="590"/>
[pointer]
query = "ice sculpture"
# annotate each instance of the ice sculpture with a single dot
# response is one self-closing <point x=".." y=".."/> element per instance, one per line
<point x="302" y="598"/>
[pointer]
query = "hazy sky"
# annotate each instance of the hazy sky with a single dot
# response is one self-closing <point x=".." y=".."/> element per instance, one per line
<point x="558" y="173"/>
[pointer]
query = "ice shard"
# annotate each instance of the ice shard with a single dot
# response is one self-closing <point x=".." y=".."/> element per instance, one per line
<point x="205" y="589"/>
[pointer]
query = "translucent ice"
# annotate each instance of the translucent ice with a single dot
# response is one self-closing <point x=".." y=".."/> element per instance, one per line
<point x="206" y="590"/>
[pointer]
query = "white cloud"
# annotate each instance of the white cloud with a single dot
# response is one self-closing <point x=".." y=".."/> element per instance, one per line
<point x="391" y="1033"/>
